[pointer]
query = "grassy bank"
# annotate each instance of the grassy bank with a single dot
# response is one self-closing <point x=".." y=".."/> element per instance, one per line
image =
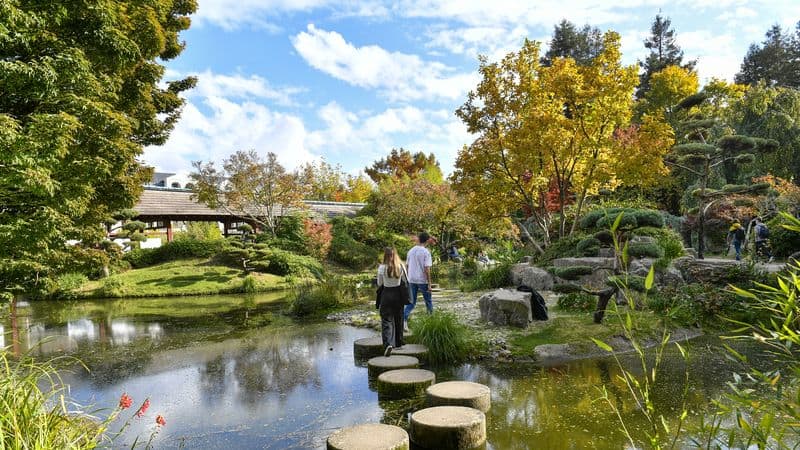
<point x="179" y="278"/>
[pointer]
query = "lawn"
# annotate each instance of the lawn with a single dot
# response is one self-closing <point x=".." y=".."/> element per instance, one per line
<point x="178" y="278"/>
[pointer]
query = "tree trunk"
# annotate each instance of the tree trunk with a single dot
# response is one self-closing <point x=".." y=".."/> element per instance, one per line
<point x="701" y="232"/>
<point x="527" y="235"/>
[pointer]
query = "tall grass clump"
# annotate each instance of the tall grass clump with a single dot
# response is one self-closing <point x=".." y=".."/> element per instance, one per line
<point x="492" y="278"/>
<point x="448" y="340"/>
<point x="34" y="412"/>
<point x="311" y="299"/>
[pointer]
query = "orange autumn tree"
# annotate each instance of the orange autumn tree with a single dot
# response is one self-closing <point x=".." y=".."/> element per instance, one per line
<point x="536" y="124"/>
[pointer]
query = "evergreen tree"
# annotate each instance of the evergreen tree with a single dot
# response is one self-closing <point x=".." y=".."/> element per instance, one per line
<point x="569" y="41"/>
<point x="776" y="60"/>
<point x="401" y="163"/>
<point x="664" y="52"/>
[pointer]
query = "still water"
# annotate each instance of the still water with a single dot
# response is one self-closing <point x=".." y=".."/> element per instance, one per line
<point x="231" y="372"/>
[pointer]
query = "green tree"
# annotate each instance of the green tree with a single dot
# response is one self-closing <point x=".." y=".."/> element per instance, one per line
<point x="707" y="157"/>
<point x="776" y="61"/>
<point x="401" y="163"/>
<point x="667" y="88"/>
<point x="249" y="186"/>
<point x="81" y="94"/>
<point x="326" y="182"/>
<point x="664" y="52"/>
<point x="569" y="41"/>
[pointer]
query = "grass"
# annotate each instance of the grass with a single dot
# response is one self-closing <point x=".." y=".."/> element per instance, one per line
<point x="578" y="330"/>
<point x="448" y="340"/>
<point x="179" y="278"/>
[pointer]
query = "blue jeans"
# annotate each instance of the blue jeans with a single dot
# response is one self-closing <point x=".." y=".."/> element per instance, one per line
<point x="426" y="294"/>
<point x="737" y="245"/>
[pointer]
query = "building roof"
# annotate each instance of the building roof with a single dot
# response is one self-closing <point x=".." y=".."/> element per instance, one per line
<point x="177" y="204"/>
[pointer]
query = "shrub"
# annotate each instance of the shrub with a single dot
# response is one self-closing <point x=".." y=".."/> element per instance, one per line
<point x="249" y="285"/>
<point x="317" y="238"/>
<point x="669" y="241"/>
<point x="645" y="250"/>
<point x="648" y="218"/>
<point x="588" y="247"/>
<point x="573" y="272"/>
<point x="285" y="263"/>
<point x="492" y="278"/>
<point x="309" y="299"/>
<point x="347" y="251"/>
<point x="469" y="267"/>
<point x="628" y="221"/>
<point x="565" y="247"/>
<point x="179" y="249"/>
<point x="566" y="288"/>
<point x="200" y="231"/>
<point x="703" y="304"/>
<point x="782" y="241"/>
<point x="111" y="287"/>
<point x="65" y="285"/>
<point x="604" y="237"/>
<point x="447" y="339"/>
<point x="577" y="301"/>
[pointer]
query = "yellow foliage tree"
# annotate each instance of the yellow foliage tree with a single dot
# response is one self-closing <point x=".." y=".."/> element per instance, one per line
<point x="667" y="88"/>
<point x="550" y="135"/>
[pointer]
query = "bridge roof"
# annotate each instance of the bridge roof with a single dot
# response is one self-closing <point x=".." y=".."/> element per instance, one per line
<point x="176" y="204"/>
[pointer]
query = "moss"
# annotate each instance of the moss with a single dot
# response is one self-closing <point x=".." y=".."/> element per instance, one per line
<point x="645" y="250"/>
<point x="588" y="247"/>
<point x="572" y="273"/>
<point x="577" y="301"/>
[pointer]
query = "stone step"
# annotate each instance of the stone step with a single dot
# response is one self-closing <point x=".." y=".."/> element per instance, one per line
<point x="373" y="436"/>
<point x="460" y="393"/>
<point x="448" y="428"/>
<point x="380" y="364"/>
<point x="366" y="348"/>
<point x="404" y="383"/>
<point x="418" y="351"/>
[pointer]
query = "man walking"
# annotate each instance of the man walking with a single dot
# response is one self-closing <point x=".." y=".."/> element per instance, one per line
<point x="762" y="240"/>
<point x="419" y="263"/>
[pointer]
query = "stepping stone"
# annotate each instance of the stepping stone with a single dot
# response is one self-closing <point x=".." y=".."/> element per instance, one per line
<point x="416" y="350"/>
<point x="460" y="393"/>
<point x="371" y="436"/>
<point x="404" y="383"/>
<point x="448" y="428"/>
<point x="380" y="364"/>
<point x="366" y="348"/>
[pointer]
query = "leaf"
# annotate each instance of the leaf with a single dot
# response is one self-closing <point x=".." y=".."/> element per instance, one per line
<point x="602" y="345"/>
<point x="648" y="281"/>
<point x="618" y="220"/>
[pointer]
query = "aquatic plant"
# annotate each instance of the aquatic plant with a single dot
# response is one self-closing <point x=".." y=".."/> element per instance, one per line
<point x="447" y="339"/>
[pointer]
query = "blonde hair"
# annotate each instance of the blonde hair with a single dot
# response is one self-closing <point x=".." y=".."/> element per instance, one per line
<point x="392" y="262"/>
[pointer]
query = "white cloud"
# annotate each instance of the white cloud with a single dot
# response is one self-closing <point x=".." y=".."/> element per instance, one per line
<point x="238" y="86"/>
<point x="233" y="14"/>
<point x="717" y="55"/>
<point x="492" y="41"/>
<point x="397" y="76"/>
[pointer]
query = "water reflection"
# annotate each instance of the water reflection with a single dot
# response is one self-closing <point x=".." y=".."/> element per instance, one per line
<point x="228" y="372"/>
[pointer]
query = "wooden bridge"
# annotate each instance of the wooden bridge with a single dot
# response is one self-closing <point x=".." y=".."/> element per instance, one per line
<point x="163" y="206"/>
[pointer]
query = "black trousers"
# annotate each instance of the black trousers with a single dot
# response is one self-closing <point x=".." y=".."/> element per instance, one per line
<point x="392" y="302"/>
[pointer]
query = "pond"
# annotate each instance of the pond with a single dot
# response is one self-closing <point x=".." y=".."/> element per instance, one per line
<point x="232" y="372"/>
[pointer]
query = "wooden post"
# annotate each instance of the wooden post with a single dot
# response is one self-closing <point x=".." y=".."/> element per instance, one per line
<point x="169" y="231"/>
<point x="225" y="228"/>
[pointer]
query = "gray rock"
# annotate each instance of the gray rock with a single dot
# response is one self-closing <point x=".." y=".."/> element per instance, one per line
<point x="552" y="353"/>
<point x="690" y="252"/>
<point x="606" y="252"/>
<point x="670" y="277"/>
<point x="593" y="262"/>
<point x="642" y="240"/>
<point x="533" y="277"/>
<point x="506" y="307"/>
<point x="641" y="267"/>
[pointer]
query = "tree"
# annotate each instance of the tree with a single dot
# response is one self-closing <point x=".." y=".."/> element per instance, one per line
<point x="81" y="94"/>
<point x="538" y="125"/>
<point x="664" y="52"/>
<point x="401" y="163"/>
<point x="667" y="88"/>
<point x="358" y="189"/>
<point x="326" y="182"/>
<point x="257" y="189"/>
<point x="702" y="155"/>
<point x="776" y="61"/>
<point x="582" y="45"/>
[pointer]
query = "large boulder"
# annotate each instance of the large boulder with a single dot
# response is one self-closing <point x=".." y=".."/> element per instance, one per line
<point x="720" y="271"/>
<point x="533" y="277"/>
<point x="602" y="268"/>
<point x="506" y="307"/>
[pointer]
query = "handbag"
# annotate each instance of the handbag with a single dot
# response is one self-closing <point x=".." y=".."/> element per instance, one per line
<point x="404" y="286"/>
<point x="378" y="294"/>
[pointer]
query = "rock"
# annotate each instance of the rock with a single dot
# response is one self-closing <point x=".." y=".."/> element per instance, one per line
<point x="606" y="252"/>
<point x="404" y="383"/>
<point x="670" y="277"/>
<point x="642" y="240"/>
<point x="371" y="436"/>
<point x="690" y="252"/>
<point x="460" y="393"/>
<point x="448" y="428"/>
<point x="416" y="350"/>
<point x="714" y="271"/>
<point x="526" y="260"/>
<point x="380" y="364"/>
<point x="531" y="276"/>
<point x="366" y="348"/>
<point x="549" y="354"/>
<point x="506" y="307"/>
<point x="593" y="262"/>
<point x="641" y="267"/>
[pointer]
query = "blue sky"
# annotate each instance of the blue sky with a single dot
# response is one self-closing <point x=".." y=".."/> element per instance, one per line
<point x="348" y="81"/>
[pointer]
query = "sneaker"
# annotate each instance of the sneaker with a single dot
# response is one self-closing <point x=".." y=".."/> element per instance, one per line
<point x="771" y="258"/>
<point x="405" y="326"/>
<point x="388" y="351"/>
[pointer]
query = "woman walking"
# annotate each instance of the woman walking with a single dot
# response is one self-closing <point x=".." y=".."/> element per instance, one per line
<point x="393" y="288"/>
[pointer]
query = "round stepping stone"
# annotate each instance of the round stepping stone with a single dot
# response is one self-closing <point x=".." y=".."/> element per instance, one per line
<point x="416" y="350"/>
<point x="404" y="383"/>
<point x="460" y="393"/>
<point x="448" y="428"/>
<point x="380" y="364"/>
<point x="371" y="436"/>
<point x="366" y="348"/>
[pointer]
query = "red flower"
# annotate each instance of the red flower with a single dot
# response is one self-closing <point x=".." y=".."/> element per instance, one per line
<point x="125" y="401"/>
<point x="143" y="408"/>
<point x="160" y="420"/>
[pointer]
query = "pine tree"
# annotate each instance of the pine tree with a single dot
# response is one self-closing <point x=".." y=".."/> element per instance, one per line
<point x="568" y="41"/>
<point x="776" y="60"/>
<point x="664" y="52"/>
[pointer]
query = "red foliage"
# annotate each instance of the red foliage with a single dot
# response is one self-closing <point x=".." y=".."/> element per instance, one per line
<point x="160" y="420"/>
<point x="125" y="401"/>
<point x="143" y="409"/>
<point x="552" y="198"/>
<point x="318" y="238"/>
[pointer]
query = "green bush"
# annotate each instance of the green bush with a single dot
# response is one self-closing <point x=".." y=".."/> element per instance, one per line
<point x="566" y="288"/>
<point x="645" y="250"/>
<point x="648" y="218"/>
<point x="782" y="241"/>
<point x="111" y="287"/>
<point x="315" y="299"/>
<point x="66" y="284"/>
<point x="604" y="237"/>
<point x="573" y="272"/>
<point x="588" y="247"/>
<point x="285" y="263"/>
<point x="249" y="285"/>
<point x="448" y="340"/>
<point x="347" y="251"/>
<point x="603" y="218"/>
<point x="565" y="247"/>
<point x="702" y="304"/>
<point x="577" y="301"/>
<point x="628" y="221"/>
<point x="492" y="278"/>
<point x="669" y="241"/>
<point x="171" y="251"/>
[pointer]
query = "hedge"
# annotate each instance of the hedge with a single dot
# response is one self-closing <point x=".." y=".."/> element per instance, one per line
<point x="645" y="250"/>
<point x="573" y="272"/>
<point x="179" y="249"/>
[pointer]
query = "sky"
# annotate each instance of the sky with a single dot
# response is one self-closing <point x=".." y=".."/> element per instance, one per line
<point x="347" y="81"/>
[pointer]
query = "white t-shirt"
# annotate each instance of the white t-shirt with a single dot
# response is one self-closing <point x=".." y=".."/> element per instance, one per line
<point x="418" y="259"/>
<point x="387" y="281"/>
